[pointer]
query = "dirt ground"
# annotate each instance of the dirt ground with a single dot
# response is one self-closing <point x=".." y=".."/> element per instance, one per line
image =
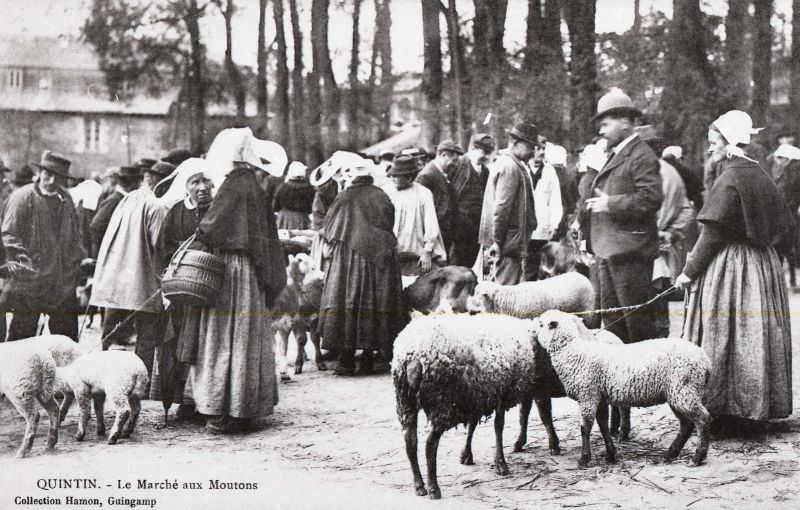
<point x="336" y="443"/>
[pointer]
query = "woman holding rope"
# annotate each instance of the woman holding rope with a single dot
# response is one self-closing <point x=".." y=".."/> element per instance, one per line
<point x="738" y="310"/>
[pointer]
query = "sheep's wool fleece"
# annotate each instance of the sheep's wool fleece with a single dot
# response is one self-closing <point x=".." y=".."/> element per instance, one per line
<point x="568" y="292"/>
<point x="117" y="373"/>
<point x="62" y="348"/>
<point x="467" y="362"/>
<point x="25" y="372"/>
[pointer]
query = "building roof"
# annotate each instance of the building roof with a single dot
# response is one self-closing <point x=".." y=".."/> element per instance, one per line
<point x="47" y="52"/>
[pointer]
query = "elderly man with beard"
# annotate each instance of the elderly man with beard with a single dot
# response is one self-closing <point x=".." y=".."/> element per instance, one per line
<point x="434" y="177"/>
<point x="40" y="230"/>
<point x="623" y="234"/>
<point x="126" y="278"/>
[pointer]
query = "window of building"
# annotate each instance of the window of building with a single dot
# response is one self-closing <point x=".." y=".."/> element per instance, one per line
<point x="92" y="141"/>
<point x="14" y="78"/>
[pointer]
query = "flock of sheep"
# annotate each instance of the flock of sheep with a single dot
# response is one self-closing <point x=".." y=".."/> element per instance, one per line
<point x="39" y="368"/>
<point x="520" y="343"/>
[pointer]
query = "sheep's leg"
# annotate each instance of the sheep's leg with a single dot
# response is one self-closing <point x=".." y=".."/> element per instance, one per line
<point x="625" y="423"/>
<point x="524" y="413"/>
<point x="283" y="363"/>
<point x="602" y="424"/>
<point x="616" y="418"/>
<point x="500" y="466"/>
<point x="85" y="410"/>
<point x="466" y="453"/>
<point x="123" y="412"/>
<point x="99" y="401"/>
<point x="702" y="421"/>
<point x="136" y="406"/>
<point x="51" y="406"/>
<point x="69" y="397"/>
<point x="588" y="410"/>
<point x="313" y="332"/>
<point x="545" y="408"/>
<point x="300" y="337"/>
<point x="27" y="408"/>
<point x="431" y="447"/>
<point x="410" y="435"/>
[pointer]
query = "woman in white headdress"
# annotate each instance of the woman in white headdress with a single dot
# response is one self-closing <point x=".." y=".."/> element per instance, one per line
<point x="232" y="377"/>
<point x="738" y="310"/>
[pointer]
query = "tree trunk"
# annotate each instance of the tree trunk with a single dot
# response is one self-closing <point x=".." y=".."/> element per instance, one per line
<point x="387" y="79"/>
<point x="688" y="101"/>
<point x="794" y="91"/>
<point x="637" y="16"/>
<point x="323" y="70"/>
<point x="298" y="148"/>
<point x="533" y="35"/>
<point x="262" y="123"/>
<point x="281" y="127"/>
<point x="197" y="106"/>
<point x="235" y="77"/>
<point x="580" y="18"/>
<point x="431" y="75"/>
<point x="738" y="82"/>
<point x="458" y="80"/>
<point x="762" y="61"/>
<point x="353" y="96"/>
<point x="497" y="64"/>
<point x="314" y="149"/>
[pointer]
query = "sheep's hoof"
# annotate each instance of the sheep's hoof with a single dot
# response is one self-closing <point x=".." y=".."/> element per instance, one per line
<point x="555" y="450"/>
<point x="101" y="432"/>
<point x="519" y="446"/>
<point x="420" y="490"/>
<point x="501" y="468"/>
<point x="51" y="444"/>
<point x="625" y="435"/>
<point x="611" y="456"/>
<point x="670" y="455"/>
<point x="321" y="366"/>
<point x="583" y="462"/>
<point x="112" y="440"/>
<point x="79" y="436"/>
<point x="435" y="493"/>
<point x="298" y="369"/>
<point x="698" y="459"/>
<point x="466" y="458"/>
<point x="285" y="377"/>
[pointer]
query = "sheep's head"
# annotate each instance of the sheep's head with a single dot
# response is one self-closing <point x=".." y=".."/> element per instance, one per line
<point x="306" y="263"/>
<point x="555" y="329"/>
<point x="482" y="301"/>
<point x="294" y="272"/>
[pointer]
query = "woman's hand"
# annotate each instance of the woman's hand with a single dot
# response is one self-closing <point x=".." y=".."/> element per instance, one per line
<point x="425" y="263"/>
<point x="683" y="282"/>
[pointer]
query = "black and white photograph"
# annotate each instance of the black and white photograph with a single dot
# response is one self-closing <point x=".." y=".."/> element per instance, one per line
<point x="399" y="254"/>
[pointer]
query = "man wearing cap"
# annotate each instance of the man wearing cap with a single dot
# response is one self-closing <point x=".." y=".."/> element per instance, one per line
<point x="40" y="229"/>
<point x="434" y="177"/>
<point x="508" y="218"/>
<point x="419" y="242"/>
<point x="626" y="196"/>
<point x="128" y="178"/>
<point x="468" y="178"/>
<point x="126" y="278"/>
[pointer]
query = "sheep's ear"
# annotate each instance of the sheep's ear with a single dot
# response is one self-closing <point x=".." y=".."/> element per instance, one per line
<point x="291" y="258"/>
<point x="552" y="324"/>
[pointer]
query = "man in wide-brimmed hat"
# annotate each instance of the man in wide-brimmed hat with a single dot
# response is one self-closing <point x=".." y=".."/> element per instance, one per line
<point x="128" y="178"/>
<point x="623" y="235"/>
<point x="419" y="241"/>
<point x="40" y="229"/>
<point x="508" y="218"/>
<point x="434" y="177"/>
<point x="126" y="277"/>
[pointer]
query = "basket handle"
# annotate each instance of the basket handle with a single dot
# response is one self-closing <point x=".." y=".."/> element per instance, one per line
<point x="178" y="256"/>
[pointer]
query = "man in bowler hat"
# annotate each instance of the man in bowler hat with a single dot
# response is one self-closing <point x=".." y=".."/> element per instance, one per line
<point x="508" y="216"/>
<point x="40" y="229"/>
<point x="626" y="197"/>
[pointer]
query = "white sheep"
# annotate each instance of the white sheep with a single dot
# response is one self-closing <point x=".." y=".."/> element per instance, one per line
<point x="62" y="348"/>
<point x="27" y="375"/>
<point x="459" y="369"/>
<point x="119" y="375"/>
<point x="665" y="370"/>
<point x="568" y="292"/>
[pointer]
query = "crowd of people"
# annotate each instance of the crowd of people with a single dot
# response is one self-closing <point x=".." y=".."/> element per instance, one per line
<point x="647" y="222"/>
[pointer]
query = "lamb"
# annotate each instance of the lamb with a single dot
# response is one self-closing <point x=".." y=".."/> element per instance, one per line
<point x="297" y="312"/>
<point x="27" y="375"/>
<point x="458" y="369"/>
<point x="118" y="375"/>
<point x="665" y="370"/>
<point x="62" y="348"/>
<point x="444" y="289"/>
<point x="569" y="292"/>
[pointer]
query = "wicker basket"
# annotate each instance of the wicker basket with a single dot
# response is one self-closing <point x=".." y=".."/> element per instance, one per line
<point x="194" y="277"/>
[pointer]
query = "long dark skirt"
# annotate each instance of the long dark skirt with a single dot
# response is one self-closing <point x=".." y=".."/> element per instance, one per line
<point x="739" y="314"/>
<point x="361" y="306"/>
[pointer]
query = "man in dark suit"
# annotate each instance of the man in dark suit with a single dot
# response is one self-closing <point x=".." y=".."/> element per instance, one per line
<point x="434" y="177"/>
<point x="627" y="195"/>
